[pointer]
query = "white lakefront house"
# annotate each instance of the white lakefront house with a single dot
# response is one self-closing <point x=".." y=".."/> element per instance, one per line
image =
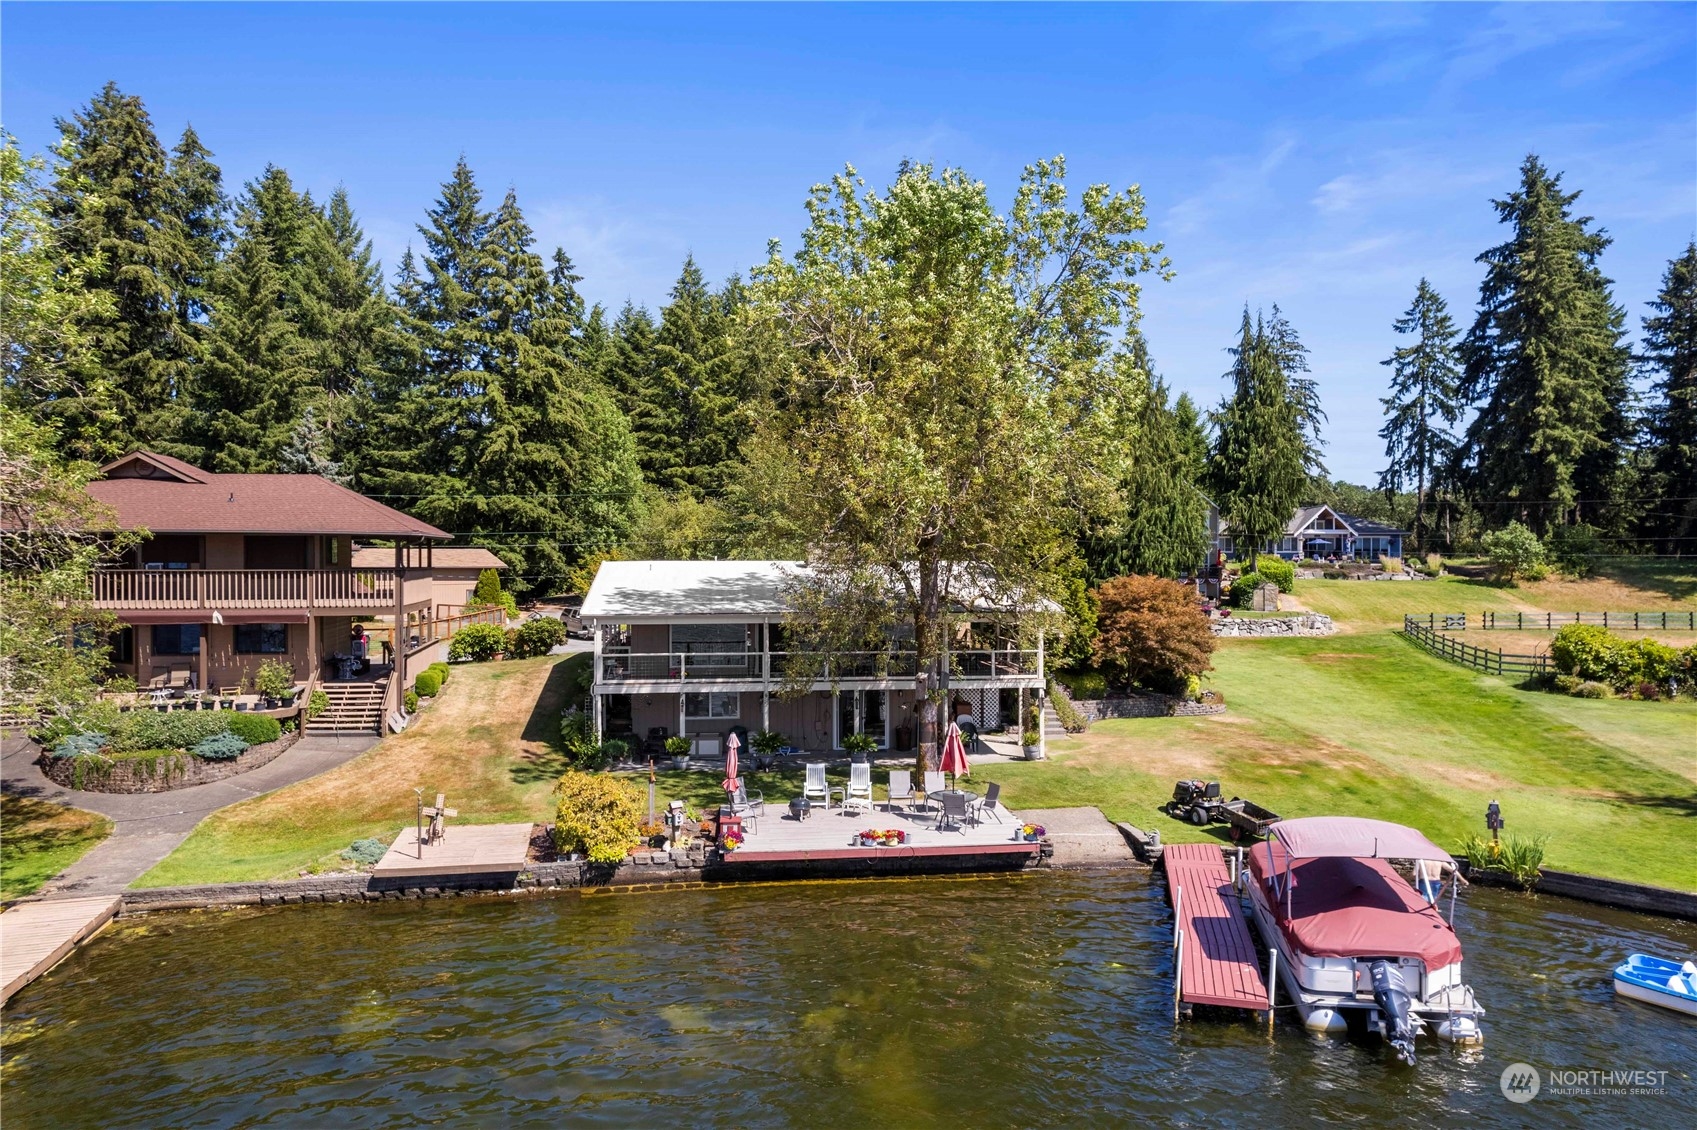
<point x="697" y="648"/>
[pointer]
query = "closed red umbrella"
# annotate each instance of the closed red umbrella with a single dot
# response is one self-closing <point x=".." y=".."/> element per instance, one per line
<point x="954" y="754"/>
<point x="731" y="781"/>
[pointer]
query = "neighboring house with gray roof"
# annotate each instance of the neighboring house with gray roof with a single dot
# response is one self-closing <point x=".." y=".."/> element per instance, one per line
<point x="1320" y="532"/>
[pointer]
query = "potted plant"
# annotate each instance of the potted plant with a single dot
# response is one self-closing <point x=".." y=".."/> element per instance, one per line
<point x="765" y="744"/>
<point x="1031" y="833"/>
<point x="860" y="746"/>
<point x="678" y="747"/>
<point x="275" y="682"/>
<point x="1031" y="742"/>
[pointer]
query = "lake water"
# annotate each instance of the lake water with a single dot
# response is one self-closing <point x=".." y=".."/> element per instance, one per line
<point x="1032" y="1001"/>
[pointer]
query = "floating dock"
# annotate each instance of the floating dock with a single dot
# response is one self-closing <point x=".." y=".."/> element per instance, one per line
<point x="465" y="849"/>
<point x="35" y="936"/>
<point x="1216" y="961"/>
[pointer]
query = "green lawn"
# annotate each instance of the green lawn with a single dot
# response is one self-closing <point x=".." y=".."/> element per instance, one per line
<point x="1367" y="725"/>
<point x="39" y="839"/>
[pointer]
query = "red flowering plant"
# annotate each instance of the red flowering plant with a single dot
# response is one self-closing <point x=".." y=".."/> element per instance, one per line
<point x="888" y="837"/>
<point x="731" y="840"/>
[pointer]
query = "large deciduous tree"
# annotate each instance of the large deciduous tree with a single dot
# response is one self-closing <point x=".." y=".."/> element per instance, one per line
<point x="946" y="404"/>
<point x="1545" y="361"/>
<point x="1262" y="450"/>
<point x="1151" y="631"/>
<point x="1424" y="404"/>
<point x="1670" y="350"/>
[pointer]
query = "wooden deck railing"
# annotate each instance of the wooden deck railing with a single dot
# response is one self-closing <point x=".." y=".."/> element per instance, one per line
<point x="135" y="589"/>
<point x="745" y="666"/>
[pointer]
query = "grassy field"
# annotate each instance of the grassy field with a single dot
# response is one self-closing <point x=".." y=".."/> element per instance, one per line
<point x="488" y="742"/>
<point x="39" y="839"/>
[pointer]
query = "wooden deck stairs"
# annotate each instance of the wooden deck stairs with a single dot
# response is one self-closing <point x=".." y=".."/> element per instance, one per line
<point x="355" y="707"/>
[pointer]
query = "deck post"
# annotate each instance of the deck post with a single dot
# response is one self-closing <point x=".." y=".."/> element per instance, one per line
<point x="595" y="673"/>
<point x="1272" y="982"/>
<point x="1178" y="971"/>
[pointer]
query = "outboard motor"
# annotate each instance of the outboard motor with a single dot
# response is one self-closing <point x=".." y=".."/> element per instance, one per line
<point x="1393" y="1001"/>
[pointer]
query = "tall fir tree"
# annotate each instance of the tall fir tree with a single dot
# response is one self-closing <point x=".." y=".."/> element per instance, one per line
<point x="1260" y="463"/>
<point x="112" y="206"/>
<point x="1670" y="351"/>
<point x="629" y="364"/>
<point x="1424" y="404"/>
<point x="667" y="418"/>
<point x="363" y="342"/>
<point x="1546" y="362"/>
<point x="254" y="363"/>
<point x="1291" y="356"/>
<point x="199" y="205"/>
<point x="1162" y="530"/>
<point x="1192" y="435"/>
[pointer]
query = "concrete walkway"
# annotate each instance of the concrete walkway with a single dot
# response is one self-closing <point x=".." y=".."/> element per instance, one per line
<point x="149" y="826"/>
<point x="1082" y="837"/>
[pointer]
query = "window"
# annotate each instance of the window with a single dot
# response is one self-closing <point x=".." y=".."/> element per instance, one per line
<point x="176" y="639"/>
<point x="262" y="639"/>
<point x="711" y="706"/>
<point x="122" y="646"/>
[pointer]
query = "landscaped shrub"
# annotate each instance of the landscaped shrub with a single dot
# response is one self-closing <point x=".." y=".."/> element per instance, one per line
<point x="1151" y="629"/>
<point x="614" y="750"/>
<point x="317" y="703"/>
<point x="477" y="642"/>
<point x="1597" y="654"/>
<point x="179" y="729"/>
<point x="365" y="852"/>
<point x="1072" y="719"/>
<point x="1243" y="588"/>
<point x="79" y="745"/>
<point x="1083" y="684"/>
<point x="441" y="670"/>
<point x="1591" y="690"/>
<point x="1279" y="571"/>
<point x="1519" y="858"/>
<point x="537" y="637"/>
<point x="255" y="729"/>
<point x="220" y="747"/>
<point x="577" y="739"/>
<point x="598" y="814"/>
<point x="427" y="683"/>
<point x="410" y="702"/>
<point x="1513" y="551"/>
<point x="1566" y="684"/>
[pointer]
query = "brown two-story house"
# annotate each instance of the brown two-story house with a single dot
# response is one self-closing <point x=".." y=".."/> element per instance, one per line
<point x="239" y="569"/>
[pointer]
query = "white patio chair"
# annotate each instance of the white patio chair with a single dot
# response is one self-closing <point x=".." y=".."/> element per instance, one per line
<point x="816" y="790"/>
<point x="859" y="795"/>
<point x="901" y="788"/>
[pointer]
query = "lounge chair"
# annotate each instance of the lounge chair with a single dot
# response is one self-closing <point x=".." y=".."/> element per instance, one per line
<point x="816" y="790"/>
<point x="180" y="679"/>
<point x="901" y="788"/>
<point x="859" y="795"/>
<point x="954" y="813"/>
<point x="988" y="804"/>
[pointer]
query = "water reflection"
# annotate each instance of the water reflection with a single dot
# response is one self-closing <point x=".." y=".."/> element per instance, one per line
<point x="1032" y="1001"/>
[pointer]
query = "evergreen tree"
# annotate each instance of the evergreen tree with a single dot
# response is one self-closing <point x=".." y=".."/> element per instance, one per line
<point x="254" y="365"/>
<point x="1670" y="346"/>
<point x="1545" y="359"/>
<point x="363" y="342"/>
<point x="112" y="206"/>
<point x="630" y="363"/>
<point x="198" y="203"/>
<point x="1163" y="528"/>
<point x="1291" y="356"/>
<point x="1424" y="402"/>
<point x="1260" y="463"/>
<point x="308" y="451"/>
<point x="45" y="355"/>
<point x="666" y="419"/>
<point x="1192" y="436"/>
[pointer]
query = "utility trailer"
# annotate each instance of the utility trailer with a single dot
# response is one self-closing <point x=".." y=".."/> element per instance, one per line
<point x="1202" y="803"/>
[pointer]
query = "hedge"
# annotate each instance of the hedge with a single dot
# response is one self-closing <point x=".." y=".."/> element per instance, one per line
<point x="537" y="637"/>
<point x="1279" y="571"/>
<point x="151" y="729"/>
<point x="427" y="684"/>
<point x="477" y="642"/>
<point x="255" y="729"/>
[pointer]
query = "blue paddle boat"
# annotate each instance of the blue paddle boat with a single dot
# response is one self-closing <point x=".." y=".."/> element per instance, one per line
<point x="1656" y="981"/>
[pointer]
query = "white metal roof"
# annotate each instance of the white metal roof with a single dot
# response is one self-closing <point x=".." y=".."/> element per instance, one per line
<point x="633" y="591"/>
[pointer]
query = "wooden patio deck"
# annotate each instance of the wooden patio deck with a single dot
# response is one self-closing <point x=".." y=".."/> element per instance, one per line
<point x="35" y="936"/>
<point x="832" y="834"/>
<point x="1217" y="962"/>
<point x="466" y="849"/>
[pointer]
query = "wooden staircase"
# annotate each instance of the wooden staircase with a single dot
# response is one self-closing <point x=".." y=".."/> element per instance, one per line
<point x="355" y="707"/>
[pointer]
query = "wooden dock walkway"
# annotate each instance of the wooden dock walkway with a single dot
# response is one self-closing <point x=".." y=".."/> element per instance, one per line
<point x="1216" y="961"/>
<point x="34" y="936"/>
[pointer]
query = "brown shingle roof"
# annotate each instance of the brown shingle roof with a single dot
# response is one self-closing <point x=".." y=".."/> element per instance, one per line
<point x="441" y="557"/>
<point x="188" y="500"/>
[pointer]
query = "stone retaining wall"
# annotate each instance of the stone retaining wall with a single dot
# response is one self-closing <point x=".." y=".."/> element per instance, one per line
<point x="1306" y="624"/>
<point x="175" y="771"/>
<point x="1145" y="706"/>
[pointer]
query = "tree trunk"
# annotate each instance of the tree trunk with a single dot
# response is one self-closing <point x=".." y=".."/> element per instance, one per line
<point x="927" y="673"/>
<point x="1420" y="513"/>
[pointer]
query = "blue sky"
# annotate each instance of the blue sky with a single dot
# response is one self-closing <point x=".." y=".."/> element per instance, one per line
<point x="1323" y="157"/>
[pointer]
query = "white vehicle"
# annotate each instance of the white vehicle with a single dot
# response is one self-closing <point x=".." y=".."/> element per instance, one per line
<point x="1358" y="946"/>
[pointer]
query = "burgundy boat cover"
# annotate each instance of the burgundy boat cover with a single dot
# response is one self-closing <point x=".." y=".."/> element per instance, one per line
<point x="1343" y="907"/>
<point x="1356" y="837"/>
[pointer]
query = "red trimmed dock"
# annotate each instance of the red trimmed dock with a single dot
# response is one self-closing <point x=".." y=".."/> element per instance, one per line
<point x="1217" y="962"/>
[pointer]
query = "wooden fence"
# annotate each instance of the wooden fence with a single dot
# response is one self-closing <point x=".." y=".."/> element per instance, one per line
<point x="1479" y="658"/>
<point x="1550" y="621"/>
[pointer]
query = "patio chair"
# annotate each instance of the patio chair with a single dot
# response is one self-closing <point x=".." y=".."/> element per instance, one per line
<point x="933" y="784"/>
<point x="988" y="804"/>
<point x="748" y="803"/>
<point x="969" y="736"/>
<point x="859" y="795"/>
<point x="954" y="813"/>
<point x="816" y="790"/>
<point x="901" y="788"/>
<point x="180" y="679"/>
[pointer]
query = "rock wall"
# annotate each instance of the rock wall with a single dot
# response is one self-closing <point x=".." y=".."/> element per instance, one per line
<point x="1145" y="706"/>
<point x="176" y="771"/>
<point x="1305" y="624"/>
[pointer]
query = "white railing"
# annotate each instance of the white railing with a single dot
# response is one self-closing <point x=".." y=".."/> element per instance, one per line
<point x="744" y="666"/>
<point x="134" y="589"/>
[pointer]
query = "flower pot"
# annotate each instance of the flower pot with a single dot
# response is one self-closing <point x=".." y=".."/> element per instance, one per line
<point x="681" y="763"/>
<point x="1033" y="752"/>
